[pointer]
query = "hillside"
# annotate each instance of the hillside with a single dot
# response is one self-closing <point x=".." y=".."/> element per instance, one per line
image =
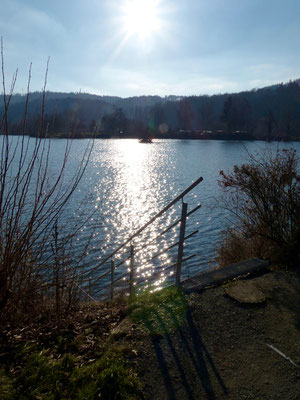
<point x="269" y="113"/>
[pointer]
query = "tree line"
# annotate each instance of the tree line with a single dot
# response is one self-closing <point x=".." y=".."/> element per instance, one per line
<point x="268" y="113"/>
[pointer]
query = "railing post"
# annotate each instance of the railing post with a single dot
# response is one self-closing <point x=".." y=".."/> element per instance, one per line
<point x="131" y="273"/>
<point x="90" y="286"/>
<point x="181" y="242"/>
<point x="112" y="278"/>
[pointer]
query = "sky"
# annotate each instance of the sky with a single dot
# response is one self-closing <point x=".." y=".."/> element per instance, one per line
<point x="151" y="47"/>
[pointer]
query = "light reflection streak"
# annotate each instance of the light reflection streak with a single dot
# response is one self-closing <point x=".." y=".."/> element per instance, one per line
<point x="135" y="191"/>
<point x="134" y="197"/>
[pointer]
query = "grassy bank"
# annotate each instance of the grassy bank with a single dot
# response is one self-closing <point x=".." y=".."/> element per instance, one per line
<point x="73" y="358"/>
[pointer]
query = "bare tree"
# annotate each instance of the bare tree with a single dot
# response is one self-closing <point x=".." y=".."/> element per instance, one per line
<point x="31" y="204"/>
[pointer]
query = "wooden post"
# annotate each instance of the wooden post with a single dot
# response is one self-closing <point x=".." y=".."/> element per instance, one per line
<point x="112" y="277"/>
<point x="131" y="273"/>
<point x="181" y="242"/>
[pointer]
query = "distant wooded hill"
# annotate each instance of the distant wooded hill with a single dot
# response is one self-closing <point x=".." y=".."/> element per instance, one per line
<point x="269" y="113"/>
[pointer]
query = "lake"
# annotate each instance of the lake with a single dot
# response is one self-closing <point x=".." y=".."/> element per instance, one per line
<point x="127" y="182"/>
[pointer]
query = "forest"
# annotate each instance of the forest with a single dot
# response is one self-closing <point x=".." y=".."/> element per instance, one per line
<point x="270" y="113"/>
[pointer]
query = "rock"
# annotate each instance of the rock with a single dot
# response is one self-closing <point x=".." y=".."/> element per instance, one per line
<point x="246" y="292"/>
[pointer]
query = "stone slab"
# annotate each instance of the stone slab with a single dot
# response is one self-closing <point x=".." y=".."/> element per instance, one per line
<point x="225" y="274"/>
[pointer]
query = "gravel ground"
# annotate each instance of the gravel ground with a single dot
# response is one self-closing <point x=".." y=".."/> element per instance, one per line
<point x="220" y="349"/>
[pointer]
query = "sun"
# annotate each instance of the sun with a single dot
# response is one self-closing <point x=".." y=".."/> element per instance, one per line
<point x="141" y="17"/>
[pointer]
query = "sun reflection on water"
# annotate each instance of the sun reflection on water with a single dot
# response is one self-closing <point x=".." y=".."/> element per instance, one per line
<point x="134" y="196"/>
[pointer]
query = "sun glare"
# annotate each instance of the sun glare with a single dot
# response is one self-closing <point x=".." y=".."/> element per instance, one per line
<point x="141" y="17"/>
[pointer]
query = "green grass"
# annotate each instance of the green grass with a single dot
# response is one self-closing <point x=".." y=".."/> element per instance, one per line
<point x="7" y="390"/>
<point x="64" y="368"/>
<point x="160" y="312"/>
<point x="44" y="376"/>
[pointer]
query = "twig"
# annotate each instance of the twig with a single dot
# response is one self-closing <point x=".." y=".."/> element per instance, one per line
<point x="283" y="355"/>
<point x="86" y="293"/>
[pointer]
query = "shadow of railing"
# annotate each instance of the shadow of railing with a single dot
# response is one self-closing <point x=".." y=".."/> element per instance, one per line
<point x="178" y="344"/>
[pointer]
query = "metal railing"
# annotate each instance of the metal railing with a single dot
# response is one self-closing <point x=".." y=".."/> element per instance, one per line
<point x="127" y="278"/>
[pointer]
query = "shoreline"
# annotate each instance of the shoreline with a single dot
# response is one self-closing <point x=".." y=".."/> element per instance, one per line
<point x="229" y="138"/>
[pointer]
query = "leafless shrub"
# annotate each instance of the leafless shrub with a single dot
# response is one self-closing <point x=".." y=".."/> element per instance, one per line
<point x="264" y="197"/>
<point x="34" y="260"/>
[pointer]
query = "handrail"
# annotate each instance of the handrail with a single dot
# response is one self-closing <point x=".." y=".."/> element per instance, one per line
<point x="166" y="230"/>
<point x="163" y="269"/>
<point x="156" y="237"/>
<point x="152" y="258"/>
<point x="179" y="197"/>
<point x="144" y="279"/>
<point x="171" y="247"/>
<point x="129" y="275"/>
<point x="86" y="275"/>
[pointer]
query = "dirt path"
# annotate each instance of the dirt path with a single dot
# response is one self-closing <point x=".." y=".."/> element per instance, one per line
<point x="220" y="348"/>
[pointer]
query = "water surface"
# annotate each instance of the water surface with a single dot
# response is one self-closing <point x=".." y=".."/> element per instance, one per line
<point x="127" y="182"/>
